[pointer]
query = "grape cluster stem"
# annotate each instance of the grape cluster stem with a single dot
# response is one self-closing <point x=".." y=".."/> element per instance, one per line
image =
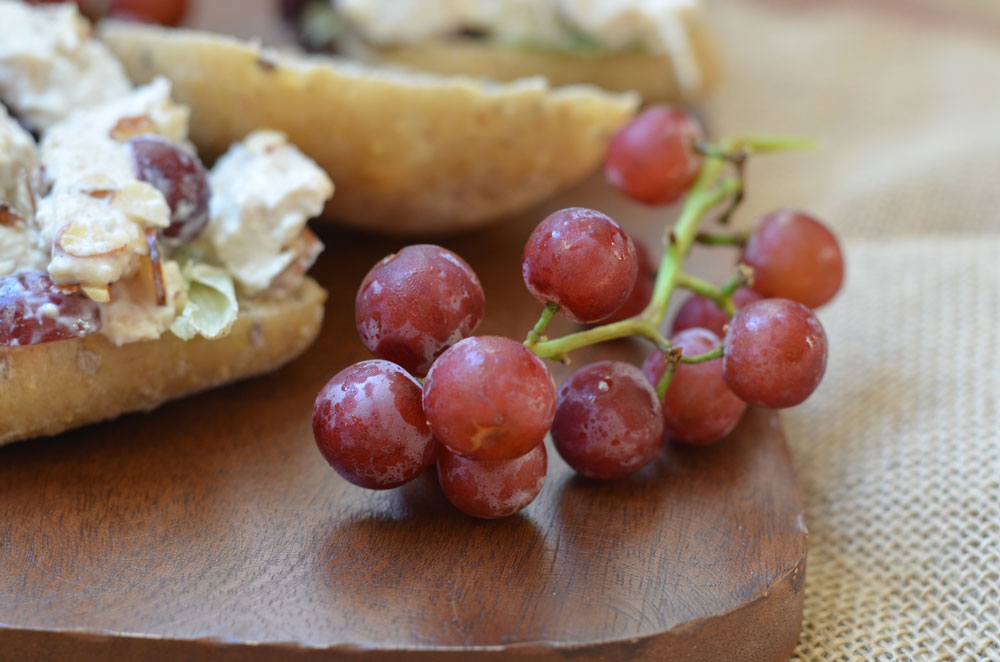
<point x="722" y="239"/>
<point x="707" y="193"/>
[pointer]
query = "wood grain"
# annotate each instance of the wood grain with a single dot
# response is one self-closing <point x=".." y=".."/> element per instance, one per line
<point x="213" y="529"/>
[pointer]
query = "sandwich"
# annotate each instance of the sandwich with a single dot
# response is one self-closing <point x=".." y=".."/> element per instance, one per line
<point x="412" y="153"/>
<point x="659" y="48"/>
<point x="129" y="273"/>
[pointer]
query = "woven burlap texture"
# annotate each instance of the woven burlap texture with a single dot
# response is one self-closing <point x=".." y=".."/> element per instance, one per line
<point x="898" y="452"/>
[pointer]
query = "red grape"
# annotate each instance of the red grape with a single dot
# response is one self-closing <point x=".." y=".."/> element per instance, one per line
<point x="699" y="408"/>
<point x="34" y="311"/>
<point x="608" y="422"/>
<point x="489" y="398"/>
<point x="581" y="260"/>
<point x="701" y="312"/>
<point x="162" y="12"/>
<point x="370" y="427"/>
<point x="642" y="291"/>
<point x="775" y="353"/>
<point x="416" y="303"/>
<point x="652" y="159"/>
<point x="492" y="488"/>
<point x="180" y="177"/>
<point x="795" y="257"/>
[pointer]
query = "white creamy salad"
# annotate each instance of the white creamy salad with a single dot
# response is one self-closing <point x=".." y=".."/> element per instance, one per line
<point x="79" y="207"/>
<point x="606" y="25"/>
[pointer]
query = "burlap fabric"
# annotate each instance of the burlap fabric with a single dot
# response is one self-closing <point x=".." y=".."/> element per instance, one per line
<point x="898" y="453"/>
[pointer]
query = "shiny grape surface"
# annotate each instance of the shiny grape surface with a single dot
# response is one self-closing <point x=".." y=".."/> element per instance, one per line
<point x="489" y="398"/>
<point x="416" y="303"/>
<point x="642" y="291"/>
<point x="581" y="260"/>
<point x="369" y="425"/>
<point x="180" y="177"/>
<point x="796" y="257"/>
<point x="492" y="488"/>
<point x="775" y="353"/>
<point x="608" y="422"/>
<point x="652" y="159"/>
<point x="701" y="312"/>
<point x="699" y="407"/>
<point x="33" y="311"/>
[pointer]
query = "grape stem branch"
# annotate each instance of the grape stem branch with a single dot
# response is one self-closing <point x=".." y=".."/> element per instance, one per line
<point x="707" y="356"/>
<point x="697" y="285"/>
<point x="722" y="239"/>
<point x="535" y="335"/>
<point x="557" y="348"/>
<point x="673" y="358"/>
<point x="706" y="194"/>
<point x="700" y="201"/>
<point x="722" y="296"/>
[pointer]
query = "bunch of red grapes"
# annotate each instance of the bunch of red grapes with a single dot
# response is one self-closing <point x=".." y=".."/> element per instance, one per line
<point x="480" y="406"/>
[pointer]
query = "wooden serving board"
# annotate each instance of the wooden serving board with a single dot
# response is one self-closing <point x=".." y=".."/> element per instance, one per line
<point x="212" y="529"/>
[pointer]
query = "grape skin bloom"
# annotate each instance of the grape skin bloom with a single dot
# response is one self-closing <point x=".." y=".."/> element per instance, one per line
<point x="416" y="303"/>
<point x="701" y="312"/>
<point x="775" y="353"/>
<point x="490" y="489"/>
<point x="178" y="175"/>
<point x="489" y="398"/>
<point x="699" y="408"/>
<point x="652" y="158"/>
<point x="608" y="422"/>
<point x="796" y="257"/>
<point x="369" y="425"/>
<point x="582" y="261"/>
<point x="33" y="311"/>
<point x="642" y="292"/>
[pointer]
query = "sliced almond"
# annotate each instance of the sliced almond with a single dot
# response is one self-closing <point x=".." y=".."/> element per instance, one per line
<point x="156" y="266"/>
<point x="142" y="283"/>
<point x="98" y="293"/>
<point x="26" y="188"/>
<point x="306" y="248"/>
<point x="142" y="201"/>
<point x="96" y="182"/>
<point x="129" y="127"/>
<point x="101" y="193"/>
<point x="81" y="240"/>
<point x="67" y="288"/>
<point x="8" y="216"/>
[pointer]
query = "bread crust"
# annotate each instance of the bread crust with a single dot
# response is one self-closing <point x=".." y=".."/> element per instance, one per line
<point x="48" y="388"/>
<point x="412" y="153"/>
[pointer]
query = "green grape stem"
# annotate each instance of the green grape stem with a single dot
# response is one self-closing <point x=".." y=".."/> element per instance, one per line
<point x="716" y="239"/>
<point x="722" y="298"/>
<point x="710" y="355"/>
<point x="557" y="348"/>
<point x="706" y="194"/>
<point x="673" y="358"/>
<point x="535" y="335"/>
<point x="742" y="278"/>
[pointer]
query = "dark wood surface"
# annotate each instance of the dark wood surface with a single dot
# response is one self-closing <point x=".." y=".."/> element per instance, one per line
<point x="213" y="529"/>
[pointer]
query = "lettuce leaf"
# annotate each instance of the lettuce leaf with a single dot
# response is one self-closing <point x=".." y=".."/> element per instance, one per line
<point x="211" y="306"/>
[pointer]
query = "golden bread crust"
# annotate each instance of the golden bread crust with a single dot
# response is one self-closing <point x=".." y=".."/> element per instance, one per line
<point x="48" y="388"/>
<point x="410" y="152"/>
